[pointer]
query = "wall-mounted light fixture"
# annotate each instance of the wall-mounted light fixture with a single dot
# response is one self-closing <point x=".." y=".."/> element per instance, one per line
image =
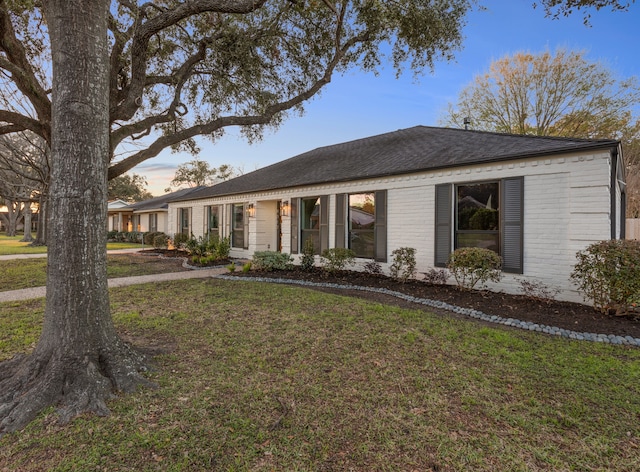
<point x="285" y="208"/>
<point x="251" y="210"/>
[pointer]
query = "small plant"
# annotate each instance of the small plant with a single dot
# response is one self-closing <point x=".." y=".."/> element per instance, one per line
<point x="161" y="241"/>
<point x="231" y="267"/>
<point x="373" y="268"/>
<point x="403" y="266"/>
<point x="221" y="248"/>
<point x="308" y="259"/>
<point x="150" y="236"/>
<point x="436" y="276"/>
<point x="337" y="259"/>
<point x="608" y="274"/>
<point x="271" y="260"/>
<point x="470" y="265"/>
<point x="538" y="290"/>
<point x="247" y="267"/>
<point x="180" y="240"/>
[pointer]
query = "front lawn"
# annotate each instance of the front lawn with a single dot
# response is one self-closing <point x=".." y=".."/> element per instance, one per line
<point x="13" y="245"/>
<point x="257" y="376"/>
<point x="27" y="273"/>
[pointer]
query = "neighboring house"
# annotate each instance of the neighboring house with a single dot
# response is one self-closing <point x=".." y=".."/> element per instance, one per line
<point x="151" y="215"/>
<point x="118" y="216"/>
<point x="534" y="200"/>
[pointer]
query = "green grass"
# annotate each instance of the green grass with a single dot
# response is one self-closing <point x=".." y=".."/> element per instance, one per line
<point x="25" y="273"/>
<point x="11" y="245"/>
<point x="265" y="377"/>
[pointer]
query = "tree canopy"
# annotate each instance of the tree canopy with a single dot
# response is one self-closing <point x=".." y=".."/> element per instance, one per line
<point x="129" y="188"/>
<point x="196" y="173"/>
<point x="555" y="95"/>
<point x="178" y="70"/>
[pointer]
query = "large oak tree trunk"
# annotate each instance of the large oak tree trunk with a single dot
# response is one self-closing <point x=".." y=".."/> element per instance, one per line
<point x="79" y="360"/>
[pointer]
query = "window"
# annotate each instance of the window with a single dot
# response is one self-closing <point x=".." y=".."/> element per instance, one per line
<point x="153" y="222"/>
<point x="237" y="226"/>
<point x="183" y="221"/>
<point x="478" y="216"/>
<point x="310" y="222"/>
<point x="483" y="214"/>
<point x="362" y="211"/>
<point x="212" y="221"/>
<point x="135" y="223"/>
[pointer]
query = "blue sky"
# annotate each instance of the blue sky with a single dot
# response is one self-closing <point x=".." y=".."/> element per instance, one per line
<point x="357" y="105"/>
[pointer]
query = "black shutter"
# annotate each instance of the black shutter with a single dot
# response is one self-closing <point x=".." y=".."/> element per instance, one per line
<point x="512" y="224"/>
<point x="380" y="236"/>
<point x="294" y="225"/>
<point x="443" y="224"/>
<point x="245" y="228"/>
<point x="341" y="218"/>
<point x="324" y="223"/>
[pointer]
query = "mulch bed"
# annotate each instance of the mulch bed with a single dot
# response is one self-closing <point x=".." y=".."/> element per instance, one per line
<point x="570" y="316"/>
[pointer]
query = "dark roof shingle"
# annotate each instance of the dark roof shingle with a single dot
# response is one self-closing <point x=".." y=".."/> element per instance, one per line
<point x="400" y="152"/>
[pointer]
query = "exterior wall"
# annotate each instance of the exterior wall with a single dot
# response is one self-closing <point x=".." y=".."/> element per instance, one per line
<point x="566" y="208"/>
<point x="633" y="228"/>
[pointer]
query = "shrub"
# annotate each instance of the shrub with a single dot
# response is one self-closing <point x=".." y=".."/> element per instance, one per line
<point x="373" y="268"/>
<point x="247" y="267"/>
<point x="608" y="274"/>
<point x="538" y="290"/>
<point x="231" y="267"/>
<point x="403" y="267"/>
<point x="197" y="247"/>
<point x="221" y="247"/>
<point x="150" y="236"/>
<point x="111" y="235"/>
<point x="308" y="259"/>
<point x="470" y="265"/>
<point x="180" y="240"/>
<point x="337" y="258"/>
<point x="161" y="241"/>
<point x="436" y="276"/>
<point x="271" y="260"/>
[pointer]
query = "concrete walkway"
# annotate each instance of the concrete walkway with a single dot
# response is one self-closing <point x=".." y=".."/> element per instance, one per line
<point x="39" y="292"/>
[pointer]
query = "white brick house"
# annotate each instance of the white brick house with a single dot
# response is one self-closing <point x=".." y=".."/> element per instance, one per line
<point x="534" y="200"/>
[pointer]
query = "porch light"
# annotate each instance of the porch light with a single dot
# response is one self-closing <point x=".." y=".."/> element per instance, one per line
<point x="285" y="208"/>
<point x="251" y="210"/>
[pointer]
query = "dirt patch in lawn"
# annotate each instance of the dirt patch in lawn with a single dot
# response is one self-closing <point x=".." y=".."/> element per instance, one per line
<point x="566" y="315"/>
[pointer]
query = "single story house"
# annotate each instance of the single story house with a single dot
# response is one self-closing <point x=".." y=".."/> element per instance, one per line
<point x="145" y="216"/>
<point x="534" y="200"/>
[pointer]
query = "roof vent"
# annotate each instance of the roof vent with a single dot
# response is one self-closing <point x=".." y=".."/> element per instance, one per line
<point x="467" y="122"/>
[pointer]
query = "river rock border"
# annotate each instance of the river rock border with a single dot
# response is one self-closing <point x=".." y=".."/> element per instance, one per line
<point x="476" y="314"/>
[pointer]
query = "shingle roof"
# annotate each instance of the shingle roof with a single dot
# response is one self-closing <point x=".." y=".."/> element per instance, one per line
<point x="400" y="152"/>
<point x="162" y="202"/>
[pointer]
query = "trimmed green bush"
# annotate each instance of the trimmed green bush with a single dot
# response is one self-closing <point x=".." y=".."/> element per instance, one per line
<point x="308" y="259"/>
<point x="160" y="241"/>
<point x="608" y="274"/>
<point x="271" y="260"/>
<point x="470" y="265"/>
<point x="180" y="240"/>
<point x="403" y="267"/>
<point x="337" y="259"/>
<point x="150" y="236"/>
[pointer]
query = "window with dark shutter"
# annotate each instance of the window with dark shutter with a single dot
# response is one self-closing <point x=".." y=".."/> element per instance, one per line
<point x="341" y="219"/>
<point x="512" y="224"/>
<point x="324" y="223"/>
<point x="294" y="225"/>
<point x="380" y="229"/>
<point x="443" y="234"/>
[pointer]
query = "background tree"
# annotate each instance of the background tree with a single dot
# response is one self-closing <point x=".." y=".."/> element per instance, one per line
<point x="168" y="71"/>
<point x="129" y="188"/>
<point x="197" y="173"/>
<point x="556" y="95"/>
<point x="24" y="180"/>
